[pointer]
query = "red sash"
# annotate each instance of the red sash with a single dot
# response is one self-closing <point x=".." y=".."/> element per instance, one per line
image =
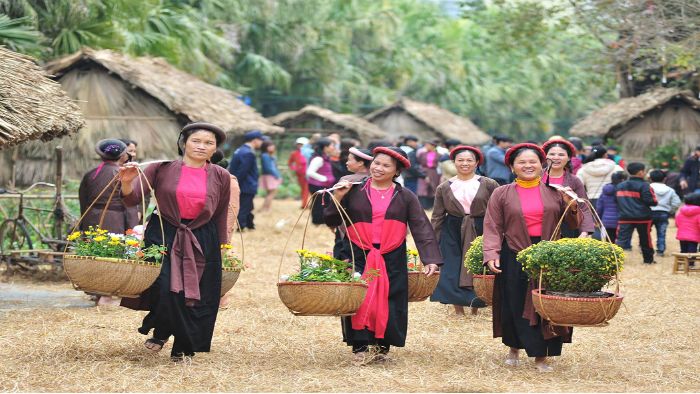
<point x="374" y="311"/>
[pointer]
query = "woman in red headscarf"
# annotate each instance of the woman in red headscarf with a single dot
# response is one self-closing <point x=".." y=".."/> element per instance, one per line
<point x="518" y="215"/>
<point x="458" y="218"/>
<point x="381" y="212"/>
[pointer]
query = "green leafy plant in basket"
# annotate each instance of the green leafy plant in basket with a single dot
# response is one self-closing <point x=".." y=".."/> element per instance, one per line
<point x="474" y="259"/>
<point x="572" y="265"/>
<point x="319" y="267"/>
<point x="98" y="242"/>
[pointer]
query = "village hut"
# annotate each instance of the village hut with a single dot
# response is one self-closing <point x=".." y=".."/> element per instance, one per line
<point x="140" y="98"/>
<point x="312" y="119"/>
<point x="32" y="107"/>
<point x="640" y="124"/>
<point x="426" y="121"/>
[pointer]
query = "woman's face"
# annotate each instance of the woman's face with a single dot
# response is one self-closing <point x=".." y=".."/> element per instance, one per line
<point x="466" y="163"/>
<point x="558" y="157"/>
<point x="200" y="146"/>
<point x="329" y="150"/>
<point x="429" y="147"/>
<point x="271" y="149"/>
<point x="355" y="165"/>
<point x="527" y="165"/>
<point x="383" y="168"/>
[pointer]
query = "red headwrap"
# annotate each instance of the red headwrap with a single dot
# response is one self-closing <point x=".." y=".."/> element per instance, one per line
<point x="394" y="154"/>
<point x="459" y="148"/>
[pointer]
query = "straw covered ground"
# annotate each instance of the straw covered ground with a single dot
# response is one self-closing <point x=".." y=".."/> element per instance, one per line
<point x="259" y="346"/>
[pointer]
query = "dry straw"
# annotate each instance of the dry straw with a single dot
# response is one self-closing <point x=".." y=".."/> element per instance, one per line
<point x="651" y="345"/>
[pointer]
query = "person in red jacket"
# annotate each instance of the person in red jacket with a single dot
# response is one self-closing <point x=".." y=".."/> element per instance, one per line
<point x="297" y="163"/>
<point x="688" y="224"/>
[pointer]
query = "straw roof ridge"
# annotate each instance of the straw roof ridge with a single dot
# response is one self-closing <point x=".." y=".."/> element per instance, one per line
<point x="443" y="122"/>
<point x="616" y="114"/>
<point x="364" y="129"/>
<point x="32" y="106"/>
<point x="180" y="92"/>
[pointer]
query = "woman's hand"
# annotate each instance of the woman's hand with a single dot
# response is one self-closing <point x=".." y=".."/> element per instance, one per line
<point x="430" y="269"/>
<point x="128" y="172"/>
<point x="343" y="189"/>
<point x="494" y="266"/>
<point x="565" y="195"/>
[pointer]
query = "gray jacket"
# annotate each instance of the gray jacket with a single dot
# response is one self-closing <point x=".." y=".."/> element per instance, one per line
<point x="667" y="197"/>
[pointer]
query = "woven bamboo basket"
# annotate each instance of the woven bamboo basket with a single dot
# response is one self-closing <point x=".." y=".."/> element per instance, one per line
<point x="579" y="312"/>
<point x="322" y="298"/>
<point x="229" y="276"/>
<point x="421" y="286"/>
<point x="483" y="287"/>
<point x="109" y="276"/>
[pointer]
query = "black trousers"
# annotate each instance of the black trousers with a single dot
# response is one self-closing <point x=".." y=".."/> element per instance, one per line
<point x="320" y="203"/>
<point x="689" y="247"/>
<point x="643" y="227"/>
<point x="245" y="213"/>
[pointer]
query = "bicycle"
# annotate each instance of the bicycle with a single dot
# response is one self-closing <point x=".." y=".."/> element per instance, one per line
<point x="16" y="241"/>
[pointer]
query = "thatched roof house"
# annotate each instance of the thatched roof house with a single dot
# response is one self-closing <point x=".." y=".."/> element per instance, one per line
<point x="426" y="121"/>
<point x="32" y="107"/>
<point x="144" y="99"/>
<point x="640" y="124"/>
<point x="312" y="119"/>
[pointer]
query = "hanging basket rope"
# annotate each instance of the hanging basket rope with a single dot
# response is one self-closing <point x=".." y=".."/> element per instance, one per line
<point x="112" y="276"/>
<point x="578" y="312"/>
<point x="321" y="298"/>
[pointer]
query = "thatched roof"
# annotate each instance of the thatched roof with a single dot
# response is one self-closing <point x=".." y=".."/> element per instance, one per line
<point x="617" y="114"/>
<point x="180" y="92"/>
<point x="32" y="106"/>
<point x="352" y="124"/>
<point x="442" y="122"/>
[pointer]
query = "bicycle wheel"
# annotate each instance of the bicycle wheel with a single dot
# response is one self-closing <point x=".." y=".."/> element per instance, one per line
<point x="13" y="236"/>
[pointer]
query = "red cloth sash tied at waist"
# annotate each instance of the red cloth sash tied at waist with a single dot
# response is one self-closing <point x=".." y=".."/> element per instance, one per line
<point x="374" y="311"/>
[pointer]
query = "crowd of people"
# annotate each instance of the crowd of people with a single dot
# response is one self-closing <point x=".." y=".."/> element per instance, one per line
<point x="512" y="194"/>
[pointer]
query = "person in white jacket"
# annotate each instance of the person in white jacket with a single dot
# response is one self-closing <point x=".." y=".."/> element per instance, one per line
<point x="668" y="204"/>
<point x="597" y="173"/>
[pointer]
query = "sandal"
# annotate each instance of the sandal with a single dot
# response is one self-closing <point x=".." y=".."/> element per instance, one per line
<point x="154" y="341"/>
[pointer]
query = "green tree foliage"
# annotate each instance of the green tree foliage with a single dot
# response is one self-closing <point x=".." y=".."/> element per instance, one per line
<point x="520" y="68"/>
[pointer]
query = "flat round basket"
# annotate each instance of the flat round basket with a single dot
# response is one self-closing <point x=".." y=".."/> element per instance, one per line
<point x="322" y="298"/>
<point x="581" y="312"/>
<point x="421" y="286"/>
<point x="110" y="277"/>
<point x="483" y="287"/>
<point x="229" y="277"/>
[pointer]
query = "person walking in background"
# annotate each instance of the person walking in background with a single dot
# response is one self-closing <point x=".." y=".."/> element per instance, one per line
<point x="577" y="158"/>
<point x="108" y="211"/>
<point x="297" y="163"/>
<point x="447" y="165"/>
<point x="271" y="178"/>
<point x="606" y="205"/>
<point x="597" y="173"/>
<point x="518" y="215"/>
<point x="340" y="168"/>
<point x="193" y="199"/>
<point x="131" y="148"/>
<point x="308" y="149"/>
<point x="244" y="166"/>
<point x="413" y="173"/>
<point x="688" y="224"/>
<point x="668" y="203"/>
<point x="319" y="174"/>
<point x="496" y="169"/>
<point x="428" y="161"/>
<point x="690" y="172"/>
<point x="458" y="218"/>
<point x="614" y="156"/>
<point x="634" y="201"/>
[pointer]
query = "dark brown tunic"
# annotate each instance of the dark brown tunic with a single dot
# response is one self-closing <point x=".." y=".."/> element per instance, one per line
<point x="446" y="204"/>
<point x="117" y="217"/>
<point x="505" y="234"/>
<point x="405" y="208"/>
<point x="576" y="185"/>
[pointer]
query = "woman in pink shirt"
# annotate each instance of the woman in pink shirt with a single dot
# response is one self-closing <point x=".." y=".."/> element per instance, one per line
<point x="193" y="196"/>
<point x="458" y="218"/>
<point x="518" y="215"/>
<point x="428" y="158"/>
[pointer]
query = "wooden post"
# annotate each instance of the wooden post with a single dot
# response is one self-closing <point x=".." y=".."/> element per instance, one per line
<point x="59" y="209"/>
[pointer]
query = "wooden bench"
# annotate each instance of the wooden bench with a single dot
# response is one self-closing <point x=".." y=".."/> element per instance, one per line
<point x="681" y="262"/>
